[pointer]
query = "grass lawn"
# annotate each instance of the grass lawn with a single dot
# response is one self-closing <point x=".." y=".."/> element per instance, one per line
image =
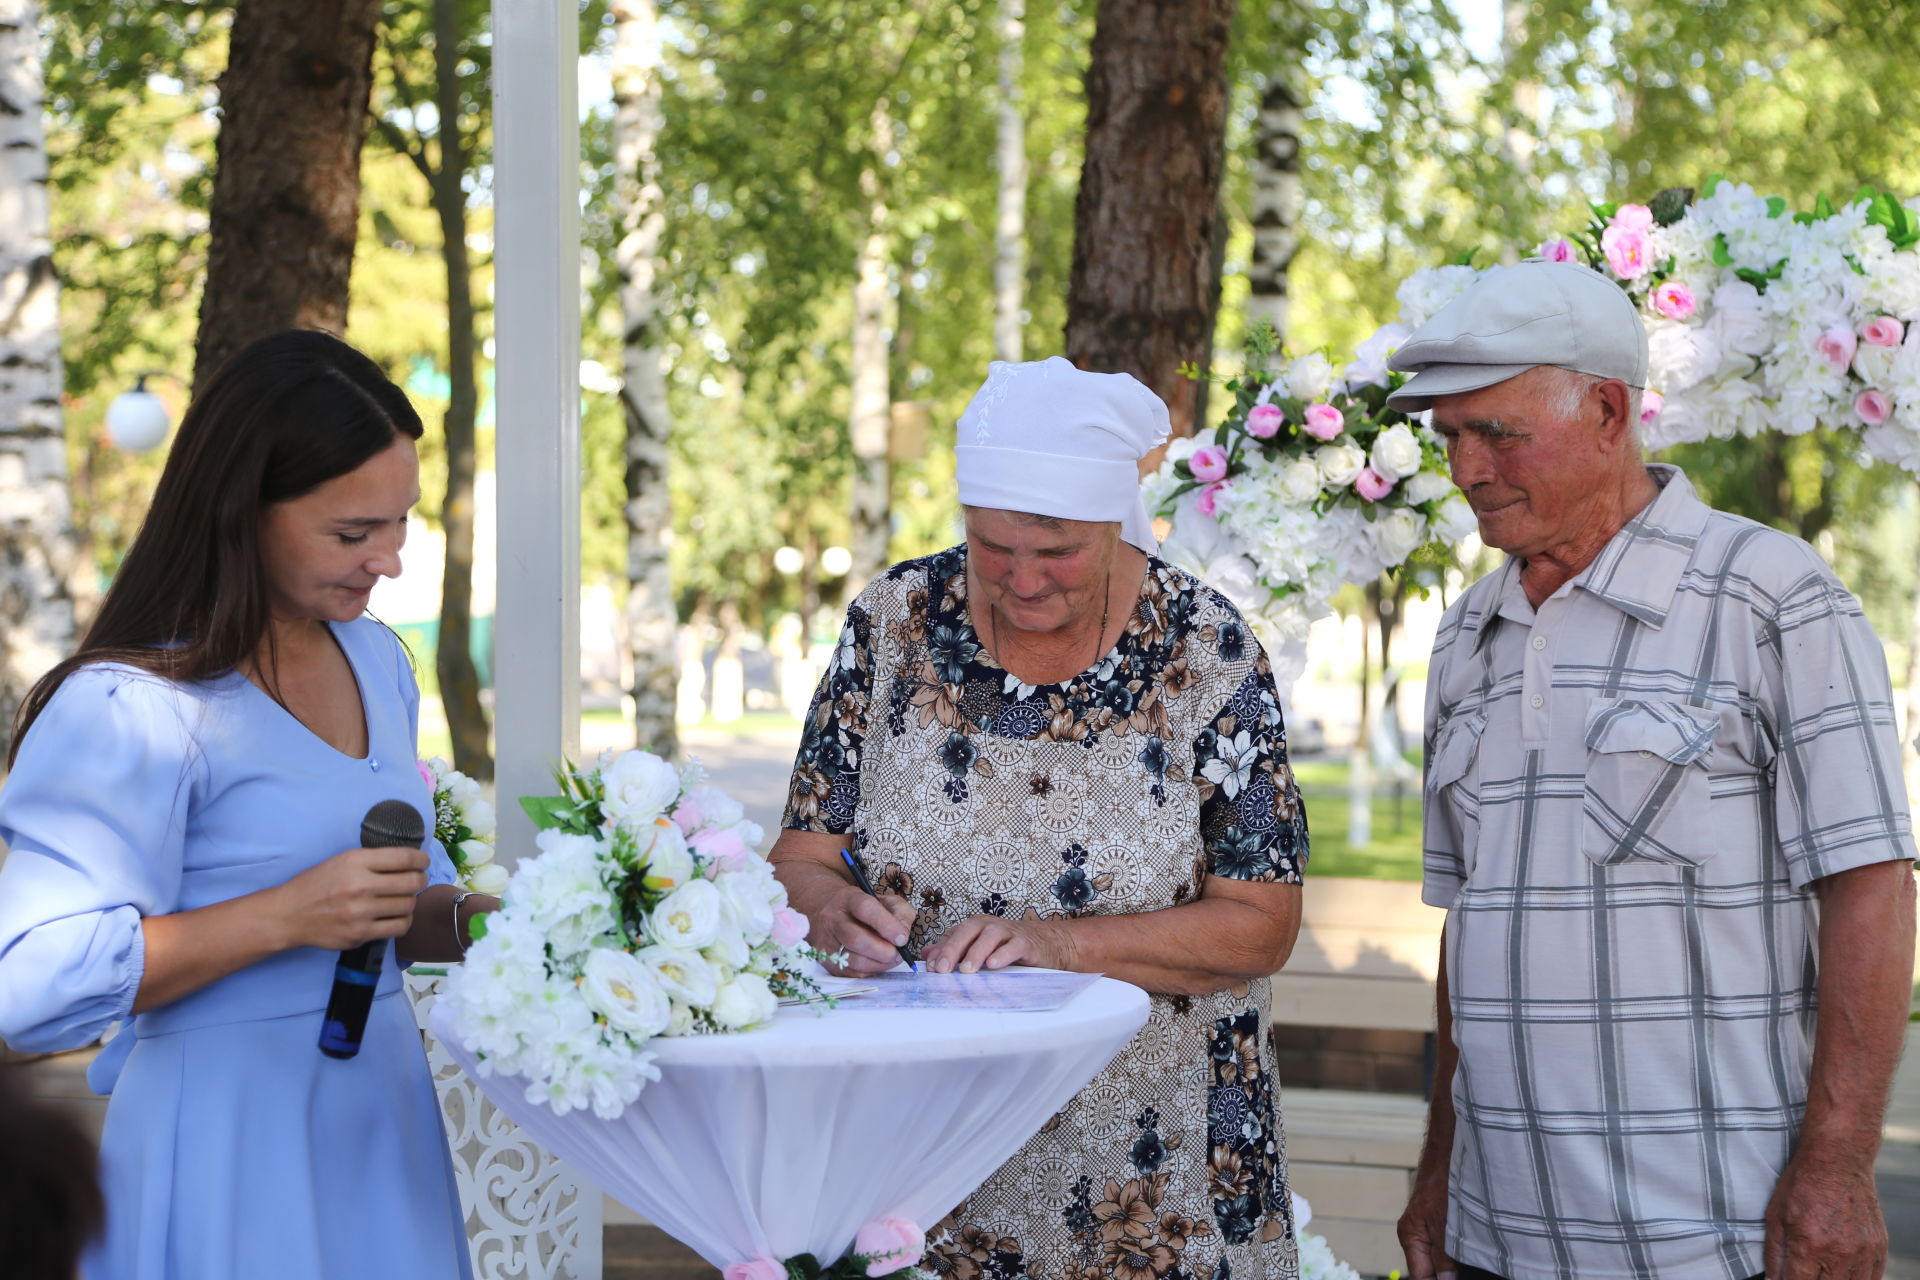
<point x="1394" y="853"/>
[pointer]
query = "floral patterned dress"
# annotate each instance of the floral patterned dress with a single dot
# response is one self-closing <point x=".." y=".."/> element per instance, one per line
<point x="1120" y="791"/>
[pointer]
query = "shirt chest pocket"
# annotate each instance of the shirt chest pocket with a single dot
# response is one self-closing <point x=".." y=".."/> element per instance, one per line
<point x="1451" y="797"/>
<point x="1647" y="791"/>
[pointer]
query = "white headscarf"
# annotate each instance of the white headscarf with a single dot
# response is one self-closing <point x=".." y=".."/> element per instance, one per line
<point x="1051" y="440"/>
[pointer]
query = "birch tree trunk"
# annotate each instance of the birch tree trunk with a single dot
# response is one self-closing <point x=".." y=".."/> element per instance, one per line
<point x="1010" y="228"/>
<point x="1144" y="221"/>
<point x="39" y="553"/>
<point x="649" y="513"/>
<point x="453" y="656"/>
<point x="286" y="193"/>
<point x="870" y="416"/>
<point x="1276" y="196"/>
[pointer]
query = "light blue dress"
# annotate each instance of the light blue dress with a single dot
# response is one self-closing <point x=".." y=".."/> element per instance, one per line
<point x="234" y="1149"/>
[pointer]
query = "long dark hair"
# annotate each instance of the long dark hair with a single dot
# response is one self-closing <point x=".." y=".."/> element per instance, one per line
<point x="286" y="414"/>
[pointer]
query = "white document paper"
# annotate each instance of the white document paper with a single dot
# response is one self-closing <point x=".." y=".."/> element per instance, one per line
<point x="997" y="990"/>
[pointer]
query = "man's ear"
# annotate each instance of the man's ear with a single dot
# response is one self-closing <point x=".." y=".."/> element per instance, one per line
<point x="1616" y="414"/>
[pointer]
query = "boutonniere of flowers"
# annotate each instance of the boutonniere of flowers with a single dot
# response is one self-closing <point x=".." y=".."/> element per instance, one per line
<point x="463" y="823"/>
<point x="646" y="912"/>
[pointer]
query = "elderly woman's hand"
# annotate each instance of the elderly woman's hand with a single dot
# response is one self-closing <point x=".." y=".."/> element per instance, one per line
<point x="989" y="942"/>
<point x="867" y="928"/>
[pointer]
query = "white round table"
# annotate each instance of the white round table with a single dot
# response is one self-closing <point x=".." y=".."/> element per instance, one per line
<point x="788" y="1139"/>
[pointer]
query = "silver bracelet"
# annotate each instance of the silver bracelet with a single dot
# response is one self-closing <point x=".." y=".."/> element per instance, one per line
<point x="459" y="898"/>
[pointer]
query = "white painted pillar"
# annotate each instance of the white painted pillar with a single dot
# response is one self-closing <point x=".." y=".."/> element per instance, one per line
<point x="536" y="635"/>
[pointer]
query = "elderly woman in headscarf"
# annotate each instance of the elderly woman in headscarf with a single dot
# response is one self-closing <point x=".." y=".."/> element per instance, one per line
<point x="1048" y="747"/>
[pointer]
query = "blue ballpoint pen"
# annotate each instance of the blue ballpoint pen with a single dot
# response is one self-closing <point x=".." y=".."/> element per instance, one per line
<point x="866" y="886"/>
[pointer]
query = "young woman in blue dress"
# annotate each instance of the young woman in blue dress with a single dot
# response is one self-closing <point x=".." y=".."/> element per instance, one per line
<point x="182" y="819"/>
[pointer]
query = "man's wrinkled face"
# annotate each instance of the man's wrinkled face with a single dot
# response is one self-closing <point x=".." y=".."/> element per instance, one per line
<point x="1534" y="475"/>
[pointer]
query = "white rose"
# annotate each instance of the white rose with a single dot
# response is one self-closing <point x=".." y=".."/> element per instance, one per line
<point x="1681" y="355"/>
<point x="682" y="1022"/>
<point x="1397" y="532"/>
<point x="1740" y="319"/>
<point x="476" y="853"/>
<point x="686" y="976"/>
<point x="480" y="820"/>
<point x="1875" y="364"/>
<point x="1396" y="452"/>
<point x="563" y="891"/>
<point x="491" y="878"/>
<point x="689" y="917"/>
<point x="1455" y="520"/>
<point x="639" y="787"/>
<point x="743" y="1001"/>
<point x="750" y="904"/>
<point x="1310" y="377"/>
<point x="624" y="992"/>
<point x="1298" y="482"/>
<point x="1339" y="463"/>
<point x="1180" y="448"/>
<point x="1427" y="486"/>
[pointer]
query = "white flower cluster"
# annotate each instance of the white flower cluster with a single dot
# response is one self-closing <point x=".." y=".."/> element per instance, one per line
<point x="464" y="824"/>
<point x="1758" y="320"/>
<point x="647" y="912"/>
<point x="1279" y="514"/>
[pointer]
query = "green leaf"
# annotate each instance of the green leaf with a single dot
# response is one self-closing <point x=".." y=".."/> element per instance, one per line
<point x="1466" y="258"/>
<point x="1712" y="183"/>
<point x="477" y="926"/>
<point x="1776" y="205"/>
<point x="548" y="812"/>
<point x="1758" y="279"/>
<point x="803" y="1266"/>
<point x="1822" y="207"/>
<point x="1722" y="257"/>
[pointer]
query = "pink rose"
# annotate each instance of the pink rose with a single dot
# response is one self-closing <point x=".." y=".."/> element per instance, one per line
<point x="1208" y="502"/>
<point x="1633" y="217"/>
<point x="426" y="774"/>
<point x="891" y="1243"/>
<point x="755" y="1269"/>
<point x="1883" y="331"/>
<point x="1674" y="300"/>
<point x="1208" y="463"/>
<point x="1371" y="485"/>
<point x="1263" y="421"/>
<point x="789" y="927"/>
<point x="688" y="816"/>
<point x="1651" y="403"/>
<point x="1556" y="251"/>
<point x="1873" y="407"/>
<point x="1324" y="422"/>
<point x="1629" y="251"/>
<point x="1836" y="345"/>
<point x="723" y="845"/>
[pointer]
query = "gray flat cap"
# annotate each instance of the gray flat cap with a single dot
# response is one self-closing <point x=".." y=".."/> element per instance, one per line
<point x="1516" y="318"/>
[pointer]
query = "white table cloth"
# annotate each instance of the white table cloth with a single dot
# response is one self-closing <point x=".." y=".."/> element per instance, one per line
<point x="788" y="1139"/>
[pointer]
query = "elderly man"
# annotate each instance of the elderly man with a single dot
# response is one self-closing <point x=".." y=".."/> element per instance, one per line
<point x="1664" y="811"/>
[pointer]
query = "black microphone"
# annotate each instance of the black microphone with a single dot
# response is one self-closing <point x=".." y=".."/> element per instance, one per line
<point x="391" y="824"/>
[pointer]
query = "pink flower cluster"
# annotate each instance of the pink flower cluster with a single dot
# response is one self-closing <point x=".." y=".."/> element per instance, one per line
<point x="1628" y="241"/>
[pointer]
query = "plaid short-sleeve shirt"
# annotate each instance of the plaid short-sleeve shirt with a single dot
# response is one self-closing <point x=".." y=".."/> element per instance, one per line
<point x="1628" y="793"/>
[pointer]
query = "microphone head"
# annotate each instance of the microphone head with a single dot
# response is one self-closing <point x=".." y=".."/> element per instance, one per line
<point x="392" y="824"/>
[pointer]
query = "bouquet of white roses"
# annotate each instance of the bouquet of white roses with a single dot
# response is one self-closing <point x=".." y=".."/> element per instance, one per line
<point x="1310" y="483"/>
<point x="463" y="823"/>
<point x="1763" y="319"/>
<point x="647" y="912"/>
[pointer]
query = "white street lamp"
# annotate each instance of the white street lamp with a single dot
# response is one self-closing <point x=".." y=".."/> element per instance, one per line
<point x="136" y="420"/>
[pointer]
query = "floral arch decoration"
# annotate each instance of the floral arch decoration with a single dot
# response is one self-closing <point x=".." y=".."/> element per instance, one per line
<point x="1758" y="319"/>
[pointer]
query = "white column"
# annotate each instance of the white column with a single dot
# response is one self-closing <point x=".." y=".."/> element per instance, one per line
<point x="536" y="635"/>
